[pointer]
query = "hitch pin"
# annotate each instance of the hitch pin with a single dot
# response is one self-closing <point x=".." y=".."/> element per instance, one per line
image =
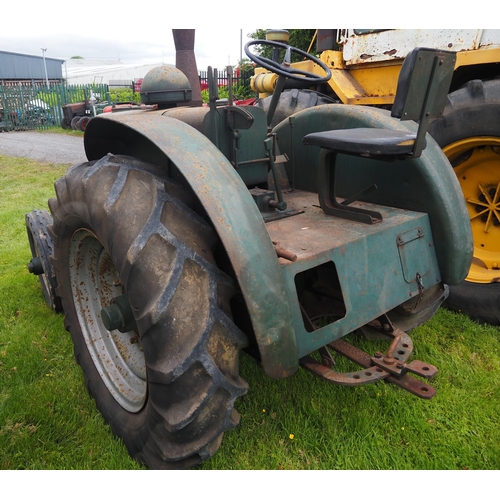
<point x="284" y="254"/>
<point x="393" y="346"/>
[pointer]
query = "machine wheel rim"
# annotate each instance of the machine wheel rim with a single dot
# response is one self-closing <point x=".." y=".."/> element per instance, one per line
<point x="475" y="161"/>
<point x="117" y="356"/>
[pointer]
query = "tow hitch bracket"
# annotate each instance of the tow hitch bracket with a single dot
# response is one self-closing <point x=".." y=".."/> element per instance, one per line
<point x="390" y="367"/>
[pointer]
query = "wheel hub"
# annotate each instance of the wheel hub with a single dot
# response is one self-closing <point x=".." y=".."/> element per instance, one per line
<point x="117" y="355"/>
<point x="476" y="163"/>
<point x="487" y="206"/>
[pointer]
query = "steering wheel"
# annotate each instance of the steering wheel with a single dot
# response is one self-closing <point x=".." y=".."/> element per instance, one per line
<point x="284" y="68"/>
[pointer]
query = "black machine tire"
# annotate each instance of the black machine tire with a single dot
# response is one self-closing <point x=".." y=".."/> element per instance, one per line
<point x="479" y="301"/>
<point x="74" y="122"/>
<point x="122" y="223"/>
<point x="42" y="250"/>
<point x="82" y="123"/>
<point x="292" y="101"/>
<point x="64" y="124"/>
<point x="469" y="134"/>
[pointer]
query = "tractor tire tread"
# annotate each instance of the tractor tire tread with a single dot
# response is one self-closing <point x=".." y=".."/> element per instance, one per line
<point x="162" y="251"/>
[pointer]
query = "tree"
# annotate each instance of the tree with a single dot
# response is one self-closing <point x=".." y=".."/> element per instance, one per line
<point x="298" y="38"/>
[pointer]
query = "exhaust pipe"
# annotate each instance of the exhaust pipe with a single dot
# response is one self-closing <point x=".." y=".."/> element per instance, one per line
<point x="185" y="60"/>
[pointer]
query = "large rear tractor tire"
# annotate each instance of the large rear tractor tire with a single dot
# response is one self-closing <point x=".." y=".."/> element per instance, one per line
<point x="148" y="309"/>
<point x="469" y="134"/>
<point x="292" y="101"/>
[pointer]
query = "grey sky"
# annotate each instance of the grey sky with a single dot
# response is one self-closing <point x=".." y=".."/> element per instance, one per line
<point x="69" y="29"/>
<point x="140" y="32"/>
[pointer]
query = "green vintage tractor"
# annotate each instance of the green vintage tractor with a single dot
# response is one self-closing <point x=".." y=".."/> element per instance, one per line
<point x="195" y="233"/>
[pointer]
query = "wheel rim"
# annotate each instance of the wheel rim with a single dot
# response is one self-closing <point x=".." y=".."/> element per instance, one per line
<point x="117" y="356"/>
<point x="476" y="162"/>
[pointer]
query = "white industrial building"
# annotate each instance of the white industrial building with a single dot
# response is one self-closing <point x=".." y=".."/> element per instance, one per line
<point x="87" y="71"/>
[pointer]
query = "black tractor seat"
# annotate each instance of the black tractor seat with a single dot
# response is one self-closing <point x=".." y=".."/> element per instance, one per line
<point x="365" y="141"/>
<point x="423" y="84"/>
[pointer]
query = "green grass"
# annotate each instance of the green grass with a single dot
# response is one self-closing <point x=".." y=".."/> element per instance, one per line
<point x="48" y="420"/>
<point x="60" y="130"/>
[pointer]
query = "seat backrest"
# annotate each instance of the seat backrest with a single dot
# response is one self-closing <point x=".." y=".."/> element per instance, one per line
<point x="423" y="84"/>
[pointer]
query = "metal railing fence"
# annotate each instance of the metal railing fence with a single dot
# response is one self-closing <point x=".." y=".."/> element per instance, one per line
<point x="34" y="106"/>
<point x="30" y="106"/>
<point x="241" y="81"/>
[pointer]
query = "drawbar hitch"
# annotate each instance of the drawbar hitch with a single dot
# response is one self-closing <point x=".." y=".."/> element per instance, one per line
<point x="390" y="367"/>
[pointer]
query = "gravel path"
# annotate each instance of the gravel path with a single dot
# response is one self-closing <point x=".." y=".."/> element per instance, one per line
<point x="43" y="146"/>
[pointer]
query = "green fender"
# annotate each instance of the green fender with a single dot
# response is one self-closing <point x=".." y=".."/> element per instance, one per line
<point x="426" y="184"/>
<point x="162" y="140"/>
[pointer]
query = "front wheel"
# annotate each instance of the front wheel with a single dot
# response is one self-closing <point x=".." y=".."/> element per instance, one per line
<point x="148" y="310"/>
<point x="82" y="123"/>
<point x="74" y="122"/>
<point x="469" y="134"/>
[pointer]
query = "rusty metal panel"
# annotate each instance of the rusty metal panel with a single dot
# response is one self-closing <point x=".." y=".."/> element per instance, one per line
<point x="396" y="44"/>
<point x="367" y="260"/>
<point x="490" y="39"/>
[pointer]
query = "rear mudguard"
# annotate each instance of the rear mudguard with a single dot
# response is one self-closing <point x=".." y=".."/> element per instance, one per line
<point x="161" y="140"/>
<point x="426" y="184"/>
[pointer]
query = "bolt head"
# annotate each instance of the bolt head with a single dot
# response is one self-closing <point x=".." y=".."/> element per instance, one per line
<point x="112" y="317"/>
<point x="35" y="266"/>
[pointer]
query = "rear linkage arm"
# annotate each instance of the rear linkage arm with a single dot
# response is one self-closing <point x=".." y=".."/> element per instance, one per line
<point x="390" y="367"/>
